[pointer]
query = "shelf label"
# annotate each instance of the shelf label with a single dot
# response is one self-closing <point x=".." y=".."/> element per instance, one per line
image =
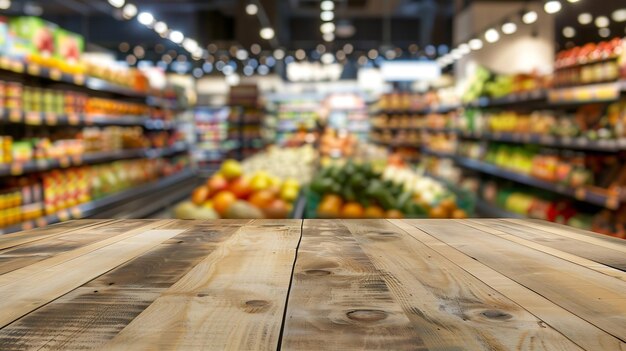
<point x="28" y="226"/>
<point x="15" y="116"/>
<point x="580" y="193"/>
<point x="76" y="212"/>
<point x="63" y="215"/>
<point x="34" y="69"/>
<point x="55" y="74"/>
<point x="51" y="119"/>
<point x="73" y="119"/>
<point x="79" y="79"/>
<point x="64" y="162"/>
<point x="33" y="118"/>
<point x="42" y="164"/>
<point x="17" y="168"/>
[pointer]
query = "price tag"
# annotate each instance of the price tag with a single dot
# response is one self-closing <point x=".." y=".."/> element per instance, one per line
<point x="79" y="79"/>
<point x="33" y="118"/>
<point x="76" y="212"/>
<point x="64" y="162"/>
<point x="55" y="74"/>
<point x="17" y="67"/>
<point x="580" y="193"/>
<point x="51" y="119"/>
<point x="63" y="215"/>
<point x="612" y="202"/>
<point x="77" y="160"/>
<point x="34" y="69"/>
<point x="73" y="119"/>
<point x="42" y="222"/>
<point x="28" y="226"/>
<point x="17" y="168"/>
<point x="15" y="116"/>
<point x="42" y="164"/>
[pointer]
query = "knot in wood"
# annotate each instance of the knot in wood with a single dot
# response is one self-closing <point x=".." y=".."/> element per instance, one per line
<point x="495" y="314"/>
<point x="367" y="315"/>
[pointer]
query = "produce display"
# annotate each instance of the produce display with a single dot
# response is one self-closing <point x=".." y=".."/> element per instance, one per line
<point x="358" y="190"/>
<point x="591" y="63"/>
<point x="30" y="197"/>
<point x="407" y="102"/>
<point x="284" y="163"/>
<point x="337" y="143"/>
<point x="232" y="193"/>
<point x="487" y="84"/>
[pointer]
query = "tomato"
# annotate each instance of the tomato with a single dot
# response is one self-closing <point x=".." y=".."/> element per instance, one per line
<point x="240" y="187"/>
<point x="222" y="201"/>
<point x="217" y="183"/>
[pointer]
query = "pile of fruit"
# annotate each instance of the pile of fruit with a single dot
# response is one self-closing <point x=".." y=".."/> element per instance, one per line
<point x="232" y="194"/>
<point x="284" y="163"/>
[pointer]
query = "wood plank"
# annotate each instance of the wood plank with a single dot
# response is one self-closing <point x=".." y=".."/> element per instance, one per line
<point x="19" y="238"/>
<point x="559" y="247"/>
<point x="593" y="296"/>
<point x="339" y="300"/>
<point x="26" y="254"/>
<point x="90" y="316"/>
<point x="452" y="309"/>
<point x="580" y="331"/>
<point x="575" y="234"/>
<point x="26" y="295"/>
<point x="233" y="300"/>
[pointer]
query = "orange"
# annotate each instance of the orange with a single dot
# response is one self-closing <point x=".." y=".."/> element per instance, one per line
<point x="352" y="210"/>
<point x="394" y="214"/>
<point x="199" y="195"/>
<point x="217" y="183"/>
<point x="374" y="212"/>
<point x="334" y="199"/>
<point x="240" y="187"/>
<point x="223" y="200"/>
<point x="261" y="199"/>
<point x="328" y="209"/>
<point x="276" y="209"/>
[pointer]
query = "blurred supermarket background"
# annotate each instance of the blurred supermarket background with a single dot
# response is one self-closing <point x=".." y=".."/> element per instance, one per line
<point x="313" y="109"/>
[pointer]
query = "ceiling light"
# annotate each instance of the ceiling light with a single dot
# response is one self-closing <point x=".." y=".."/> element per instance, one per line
<point x="569" y="32"/>
<point x="602" y="21"/>
<point x="390" y="54"/>
<point x="464" y="49"/>
<point x="117" y="3"/>
<point x="129" y="11"/>
<point x="585" y="18"/>
<point x="619" y="15"/>
<point x="131" y="60"/>
<point x="248" y="70"/>
<point x="267" y="33"/>
<point x="300" y="54"/>
<point x="160" y="27"/>
<point x="5" y="4"/>
<point x="492" y="35"/>
<point x="341" y="55"/>
<point x="456" y="54"/>
<point x="604" y="32"/>
<point x="372" y="54"/>
<point x="552" y="6"/>
<point x="228" y="70"/>
<point x="198" y="72"/>
<point x="197" y="54"/>
<point x="509" y="28"/>
<point x="328" y="37"/>
<point x="327" y="27"/>
<point x="190" y="45"/>
<point x="145" y="18"/>
<point x="327" y="5"/>
<point x="530" y="17"/>
<point x="279" y="54"/>
<point x="177" y="37"/>
<point x="327" y="15"/>
<point x="252" y="9"/>
<point x="241" y="54"/>
<point x="263" y="70"/>
<point x="573" y="1"/>
<point x="475" y="44"/>
<point x="327" y="58"/>
<point x="348" y="48"/>
<point x="255" y="48"/>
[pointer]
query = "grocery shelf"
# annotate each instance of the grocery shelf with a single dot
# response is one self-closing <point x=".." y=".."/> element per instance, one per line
<point x="442" y="154"/>
<point x="52" y="119"/>
<point x="79" y="80"/>
<point x="614" y="145"/>
<point x="488" y="210"/>
<point x="96" y="207"/>
<point x="584" y="194"/>
<point x="511" y="99"/>
<point x="397" y="144"/>
<point x="16" y="169"/>
<point x="424" y="111"/>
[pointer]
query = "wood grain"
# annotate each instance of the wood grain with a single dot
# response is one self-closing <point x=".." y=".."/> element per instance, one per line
<point x="25" y="295"/>
<point x="557" y="247"/>
<point x="233" y="300"/>
<point x="34" y="257"/>
<point x="575" y="328"/>
<point x="19" y="238"/>
<point x="452" y="309"/>
<point x="593" y="297"/>
<point x="339" y="300"/>
<point x="93" y="314"/>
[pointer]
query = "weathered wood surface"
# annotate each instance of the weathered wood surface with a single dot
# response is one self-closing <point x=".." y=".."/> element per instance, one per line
<point x="312" y="285"/>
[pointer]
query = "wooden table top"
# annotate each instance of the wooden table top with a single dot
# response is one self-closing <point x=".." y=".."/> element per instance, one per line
<point x="312" y="285"/>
